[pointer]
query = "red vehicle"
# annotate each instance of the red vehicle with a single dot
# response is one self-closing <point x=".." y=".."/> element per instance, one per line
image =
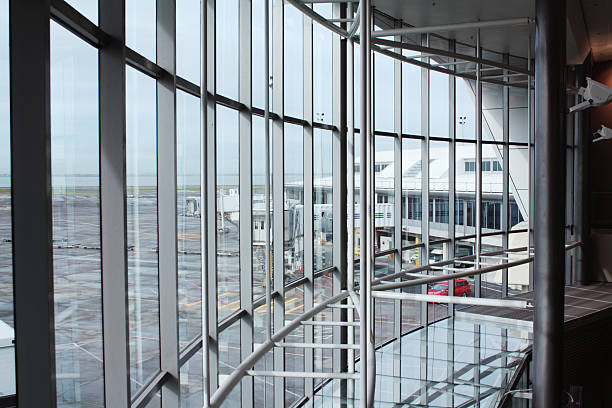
<point x="462" y="288"/>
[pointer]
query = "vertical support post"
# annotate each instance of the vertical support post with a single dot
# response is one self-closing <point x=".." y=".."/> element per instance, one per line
<point x="113" y="206"/>
<point x="397" y="211"/>
<point x="31" y="203"/>
<point x="208" y="224"/>
<point x="505" y="174"/>
<point x="166" y="174"/>
<point x="582" y="208"/>
<point x="549" y="215"/>
<point x="339" y="192"/>
<point x="308" y="200"/>
<point x="452" y="172"/>
<point x="368" y="364"/>
<point x="350" y="181"/>
<point x="268" y="254"/>
<point x="530" y="165"/>
<point x="246" y="197"/>
<point x="478" y="114"/>
<point x="278" y="187"/>
<point x="424" y="256"/>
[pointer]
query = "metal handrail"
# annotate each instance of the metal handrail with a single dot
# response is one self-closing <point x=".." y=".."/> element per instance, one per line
<point x="234" y="378"/>
<point x="441" y="278"/>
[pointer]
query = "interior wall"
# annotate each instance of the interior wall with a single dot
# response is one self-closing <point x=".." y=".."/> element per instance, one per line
<point x="601" y="182"/>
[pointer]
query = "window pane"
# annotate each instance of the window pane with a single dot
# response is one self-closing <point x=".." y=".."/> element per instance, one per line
<point x="228" y="214"/>
<point x="492" y="112"/>
<point x="227" y="48"/>
<point x="140" y="27"/>
<point x="384" y="192"/>
<point x="294" y="62"/>
<point x="259" y="208"/>
<point x="465" y="109"/>
<point x="411" y="97"/>
<point x="76" y="219"/>
<point x="141" y="166"/>
<point x="259" y="82"/>
<point x="294" y="357"/>
<point x="88" y="8"/>
<point x="188" y="40"/>
<point x="438" y="190"/>
<point x="384" y="84"/>
<point x="322" y="67"/>
<point x="7" y="334"/>
<point x="191" y="382"/>
<point x="323" y="201"/>
<point x="294" y="202"/>
<point x="229" y="358"/>
<point x="438" y="104"/>
<point x="188" y="216"/>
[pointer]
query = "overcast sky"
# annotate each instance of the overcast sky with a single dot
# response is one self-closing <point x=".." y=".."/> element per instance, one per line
<point x="74" y="91"/>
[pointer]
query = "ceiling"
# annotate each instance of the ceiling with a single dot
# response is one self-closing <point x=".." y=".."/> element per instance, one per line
<point x="420" y="13"/>
<point x="598" y="21"/>
<point x="589" y="23"/>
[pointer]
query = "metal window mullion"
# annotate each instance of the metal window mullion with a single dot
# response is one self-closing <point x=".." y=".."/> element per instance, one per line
<point x="339" y="193"/>
<point x="246" y="196"/>
<point x="452" y="174"/>
<point x="350" y="253"/>
<point x="506" y="176"/>
<point x="278" y="181"/>
<point x="113" y="209"/>
<point x="397" y="210"/>
<point x="478" y="108"/>
<point x="208" y="201"/>
<point x="308" y="200"/>
<point x="167" y="208"/>
<point x="424" y="176"/>
<point x="31" y="205"/>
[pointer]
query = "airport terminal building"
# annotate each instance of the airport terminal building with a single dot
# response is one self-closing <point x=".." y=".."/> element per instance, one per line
<point x="305" y="203"/>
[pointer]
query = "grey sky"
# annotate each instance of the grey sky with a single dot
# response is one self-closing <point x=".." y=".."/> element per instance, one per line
<point x="74" y="87"/>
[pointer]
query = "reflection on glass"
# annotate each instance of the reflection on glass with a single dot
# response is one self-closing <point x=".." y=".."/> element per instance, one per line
<point x="228" y="212"/>
<point x="294" y="62"/>
<point x="6" y="248"/>
<point x="323" y="201"/>
<point x="323" y="290"/>
<point x="191" y="382"/>
<point x="140" y="27"/>
<point x="384" y="196"/>
<point x="229" y="358"/>
<point x="294" y="357"/>
<point x="227" y="50"/>
<point x="76" y="219"/>
<point x="188" y="216"/>
<point x="143" y="272"/>
<point x="294" y="202"/>
<point x="188" y="40"/>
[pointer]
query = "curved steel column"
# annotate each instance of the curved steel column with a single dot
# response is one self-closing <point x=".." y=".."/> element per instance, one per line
<point x="550" y="202"/>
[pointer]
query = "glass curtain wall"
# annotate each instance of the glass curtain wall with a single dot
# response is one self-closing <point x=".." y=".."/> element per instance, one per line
<point x="418" y="174"/>
<point x="7" y="323"/>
